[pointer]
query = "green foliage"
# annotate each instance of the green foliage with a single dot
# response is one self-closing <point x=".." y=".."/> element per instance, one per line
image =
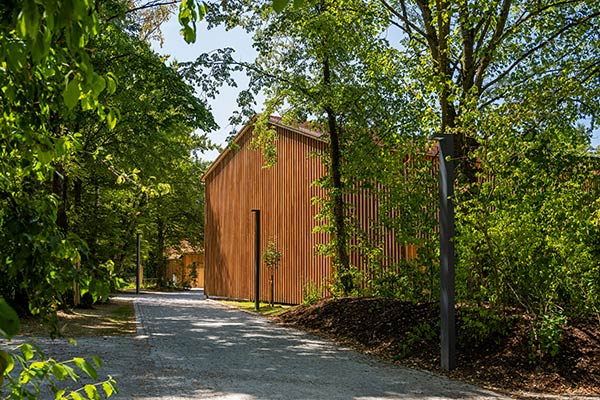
<point x="514" y="82"/>
<point x="341" y="280"/>
<point x="46" y="73"/>
<point x="100" y="281"/>
<point x="420" y="333"/>
<point x="36" y="375"/>
<point x="552" y="211"/>
<point x="9" y="320"/>
<point x="527" y="234"/>
<point x="271" y="255"/>
<point x="312" y="293"/>
<point x="264" y="137"/>
<point x="189" y="14"/>
<point x="77" y="175"/>
<point x="478" y="325"/>
<point x="545" y="336"/>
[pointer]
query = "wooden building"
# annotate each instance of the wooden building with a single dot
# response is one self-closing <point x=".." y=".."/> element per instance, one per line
<point x="185" y="266"/>
<point x="237" y="183"/>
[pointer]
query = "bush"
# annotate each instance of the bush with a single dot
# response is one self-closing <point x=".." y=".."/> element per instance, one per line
<point x="311" y="293"/>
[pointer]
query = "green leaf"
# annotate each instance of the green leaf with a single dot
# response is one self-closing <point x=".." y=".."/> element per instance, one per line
<point x="97" y="361"/>
<point x="279" y="5"/>
<point x="28" y="23"/>
<point x="6" y="364"/>
<point x="86" y="368"/>
<point x="91" y="392"/>
<point x="71" y="93"/>
<point x="71" y="372"/>
<point x="298" y="4"/>
<point x="76" y="396"/>
<point x="189" y="34"/>
<point x="98" y="84"/>
<point x="9" y="320"/>
<point x="108" y="389"/>
<point x="111" y="83"/>
<point x="24" y="378"/>
<point x="27" y="351"/>
<point x="201" y="10"/>
<point x="112" y="119"/>
<point x="45" y="157"/>
<point x="59" y="371"/>
<point x="60" y="395"/>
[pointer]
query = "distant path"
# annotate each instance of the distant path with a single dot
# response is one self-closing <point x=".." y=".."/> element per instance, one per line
<point x="190" y="348"/>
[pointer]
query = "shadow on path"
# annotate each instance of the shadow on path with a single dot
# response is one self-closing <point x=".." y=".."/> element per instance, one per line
<point x="200" y="349"/>
<point x="190" y="348"/>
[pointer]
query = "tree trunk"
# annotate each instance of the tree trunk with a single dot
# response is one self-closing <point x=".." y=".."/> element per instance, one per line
<point x="342" y="260"/>
<point x="60" y="189"/>
<point x="161" y="262"/>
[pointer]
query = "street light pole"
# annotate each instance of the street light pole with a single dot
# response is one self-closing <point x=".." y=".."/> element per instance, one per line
<point x="138" y="265"/>
<point x="447" y="260"/>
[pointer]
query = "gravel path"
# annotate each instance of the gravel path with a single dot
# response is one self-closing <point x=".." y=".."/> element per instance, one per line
<point x="191" y="348"/>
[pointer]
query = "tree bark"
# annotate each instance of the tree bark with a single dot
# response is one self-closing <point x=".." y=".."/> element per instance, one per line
<point x="60" y="189"/>
<point x="341" y="260"/>
<point x="161" y="262"/>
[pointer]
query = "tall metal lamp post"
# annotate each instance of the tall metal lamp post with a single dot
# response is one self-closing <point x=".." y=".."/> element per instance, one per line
<point x="447" y="291"/>
<point x="138" y="264"/>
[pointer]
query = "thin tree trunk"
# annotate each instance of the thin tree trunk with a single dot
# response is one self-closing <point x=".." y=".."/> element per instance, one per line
<point x="342" y="260"/>
<point x="60" y="189"/>
<point x="161" y="262"/>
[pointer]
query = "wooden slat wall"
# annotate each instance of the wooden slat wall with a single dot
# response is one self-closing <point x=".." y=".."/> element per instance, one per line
<point x="283" y="193"/>
<point x="182" y="269"/>
<point x="238" y="183"/>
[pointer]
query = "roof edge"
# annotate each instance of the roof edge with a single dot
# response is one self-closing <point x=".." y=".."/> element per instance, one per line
<point x="274" y="121"/>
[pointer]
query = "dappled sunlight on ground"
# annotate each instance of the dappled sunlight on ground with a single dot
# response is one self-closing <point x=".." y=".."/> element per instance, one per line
<point x="190" y="348"/>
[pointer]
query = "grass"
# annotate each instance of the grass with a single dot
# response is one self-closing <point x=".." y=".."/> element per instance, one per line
<point x="264" y="309"/>
<point x="117" y="317"/>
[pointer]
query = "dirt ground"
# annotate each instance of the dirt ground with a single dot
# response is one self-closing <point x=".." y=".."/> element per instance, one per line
<point x="116" y="317"/>
<point x="408" y="334"/>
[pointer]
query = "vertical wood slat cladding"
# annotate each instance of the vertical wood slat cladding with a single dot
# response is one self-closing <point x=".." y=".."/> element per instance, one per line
<point x="182" y="268"/>
<point x="236" y="185"/>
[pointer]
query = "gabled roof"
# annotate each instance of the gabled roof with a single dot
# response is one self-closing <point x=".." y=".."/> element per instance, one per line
<point x="184" y="247"/>
<point x="275" y="121"/>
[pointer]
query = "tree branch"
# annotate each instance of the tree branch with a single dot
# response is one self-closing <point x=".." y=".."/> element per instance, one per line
<point x="151" y="4"/>
<point x="493" y="44"/>
<point x="408" y="26"/>
<point x="539" y="46"/>
<point x="431" y="35"/>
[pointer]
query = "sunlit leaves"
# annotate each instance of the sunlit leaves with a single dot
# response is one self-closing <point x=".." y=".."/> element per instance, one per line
<point x="111" y="83"/>
<point x="189" y="14"/>
<point x="71" y="93"/>
<point x="38" y="376"/>
<point x="279" y="5"/>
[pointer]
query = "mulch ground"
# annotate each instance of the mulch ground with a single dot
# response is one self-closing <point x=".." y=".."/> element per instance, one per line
<point x="501" y="359"/>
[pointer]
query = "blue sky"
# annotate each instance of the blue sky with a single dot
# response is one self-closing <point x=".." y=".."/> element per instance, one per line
<point x="225" y="103"/>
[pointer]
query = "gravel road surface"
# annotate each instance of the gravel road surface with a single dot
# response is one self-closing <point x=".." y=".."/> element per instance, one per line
<point x="190" y="348"/>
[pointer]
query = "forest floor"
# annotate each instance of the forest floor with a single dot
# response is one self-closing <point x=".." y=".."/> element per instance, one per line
<point x="408" y="335"/>
<point x="116" y="317"/>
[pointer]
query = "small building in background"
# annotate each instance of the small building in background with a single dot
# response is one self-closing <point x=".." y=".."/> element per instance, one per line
<point x="185" y="266"/>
